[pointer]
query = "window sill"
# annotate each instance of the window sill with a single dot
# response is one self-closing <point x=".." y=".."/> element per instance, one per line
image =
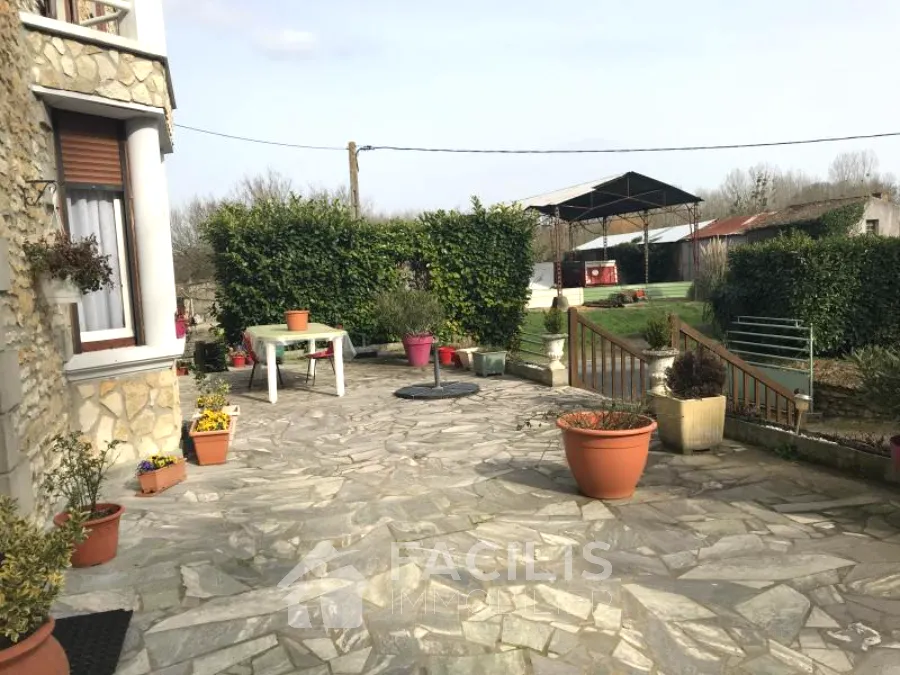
<point x="125" y="361"/>
<point x="89" y="35"/>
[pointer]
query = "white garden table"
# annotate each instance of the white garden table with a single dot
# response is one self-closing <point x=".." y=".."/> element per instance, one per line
<point x="275" y="335"/>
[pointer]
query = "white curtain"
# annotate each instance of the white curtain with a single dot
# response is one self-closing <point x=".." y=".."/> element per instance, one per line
<point x="94" y="212"/>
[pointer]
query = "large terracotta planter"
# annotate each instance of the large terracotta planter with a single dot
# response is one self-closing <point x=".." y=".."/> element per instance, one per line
<point x="418" y="348"/>
<point x="692" y="424"/>
<point x="102" y="537"/>
<point x="606" y="464"/>
<point x="38" y="654"/>
<point x="211" y="446"/>
<point x="162" y="479"/>
<point x="297" y="319"/>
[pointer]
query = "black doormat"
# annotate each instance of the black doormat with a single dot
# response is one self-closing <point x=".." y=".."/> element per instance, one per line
<point x="93" y="642"/>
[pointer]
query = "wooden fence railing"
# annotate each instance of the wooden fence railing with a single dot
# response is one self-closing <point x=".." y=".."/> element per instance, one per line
<point x="748" y="389"/>
<point x="602" y="362"/>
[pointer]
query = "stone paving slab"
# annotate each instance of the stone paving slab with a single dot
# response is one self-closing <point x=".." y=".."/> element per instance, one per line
<point x="448" y="537"/>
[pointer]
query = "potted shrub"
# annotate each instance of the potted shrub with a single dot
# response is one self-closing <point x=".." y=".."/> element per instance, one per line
<point x="488" y="361"/>
<point x="238" y="357"/>
<point x="606" y="449"/>
<point x="160" y="472"/>
<point x="879" y="370"/>
<point x="692" y="416"/>
<point x="554" y="339"/>
<point x="413" y="315"/>
<point x="32" y="561"/>
<point x="79" y="479"/>
<point x="211" y="433"/>
<point x="297" y="319"/>
<point x="66" y="270"/>
<point x="213" y="395"/>
<point x="659" y="353"/>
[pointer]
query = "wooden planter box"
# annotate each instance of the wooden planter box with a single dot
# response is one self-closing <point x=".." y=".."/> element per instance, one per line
<point x="211" y="446"/>
<point x="161" y="479"/>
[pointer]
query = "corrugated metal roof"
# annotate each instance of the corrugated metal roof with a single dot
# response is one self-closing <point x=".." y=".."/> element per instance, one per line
<point x="725" y="227"/>
<point x="565" y="194"/>
<point x="659" y="235"/>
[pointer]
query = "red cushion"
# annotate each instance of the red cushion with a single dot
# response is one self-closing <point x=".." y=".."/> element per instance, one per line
<point x="325" y="354"/>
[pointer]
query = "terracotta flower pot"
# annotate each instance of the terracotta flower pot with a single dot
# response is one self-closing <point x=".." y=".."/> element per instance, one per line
<point x="211" y="446"/>
<point x="161" y="479"/>
<point x="238" y="360"/>
<point x="39" y="653"/>
<point x="102" y="537"/>
<point x="181" y="371"/>
<point x="297" y="319"/>
<point x="606" y="464"/>
<point x="418" y="347"/>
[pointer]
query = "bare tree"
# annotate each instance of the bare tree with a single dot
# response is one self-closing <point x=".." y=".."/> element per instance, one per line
<point x="191" y="253"/>
<point x="853" y="168"/>
<point x="270" y="185"/>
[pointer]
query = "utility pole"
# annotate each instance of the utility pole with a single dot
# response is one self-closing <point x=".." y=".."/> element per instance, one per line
<point x="354" y="177"/>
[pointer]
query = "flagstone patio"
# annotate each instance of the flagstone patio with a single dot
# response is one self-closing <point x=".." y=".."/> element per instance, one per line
<point x="730" y="562"/>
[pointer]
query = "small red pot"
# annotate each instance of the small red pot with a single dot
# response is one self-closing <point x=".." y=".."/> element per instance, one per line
<point x="181" y="371"/>
<point x="445" y="355"/>
<point x="239" y="360"/>
<point x="102" y="537"/>
<point x="161" y="479"/>
<point x="39" y="653"/>
<point x="418" y="347"/>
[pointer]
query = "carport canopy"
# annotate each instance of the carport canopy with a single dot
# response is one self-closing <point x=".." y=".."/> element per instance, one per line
<point x="624" y="193"/>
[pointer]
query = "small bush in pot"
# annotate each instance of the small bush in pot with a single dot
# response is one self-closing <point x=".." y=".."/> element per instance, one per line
<point x="659" y="353"/>
<point x="412" y="315"/>
<point x="879" y="370"/>
<point x="211" y="433"/>
<point x="554" y="339"/>
<point x="78" y="479"/>
<point x="607" y="449"/>
<point x="554" y="321"/>
<point x="67" y="269"/>
<point x="692" y="416"/>
<point x="32" y="562"/>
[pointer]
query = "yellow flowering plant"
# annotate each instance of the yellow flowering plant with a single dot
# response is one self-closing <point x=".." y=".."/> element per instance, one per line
<point x="213" y="392"/>
<point x="155" y="463"/>
<point x="32" y="561"/>
<point x="213" y="420"/>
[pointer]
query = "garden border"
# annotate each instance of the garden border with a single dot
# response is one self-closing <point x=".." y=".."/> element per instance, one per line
<point x="827" y="453"/>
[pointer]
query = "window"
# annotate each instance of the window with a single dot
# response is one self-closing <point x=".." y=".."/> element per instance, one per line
<point x="92" y="176"/>
<point x="872" y="226"/>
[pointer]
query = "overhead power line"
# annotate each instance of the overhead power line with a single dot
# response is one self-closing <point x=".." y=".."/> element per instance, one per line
<point x="298" y="146"/>
<point x="585" y="151"/>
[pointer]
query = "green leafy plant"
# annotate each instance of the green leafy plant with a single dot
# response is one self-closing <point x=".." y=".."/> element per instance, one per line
<point x="696" y="374"/>
<point x="212" y="392"/>
<point x="80" y="475"/>
<point x="658" y="333"/>
<point x="553" y="321"/>
<point x="80" y="261"/>
<point x="879" y="370"/>
<point x="32" y="561"/>
<point x="408" y="311"/>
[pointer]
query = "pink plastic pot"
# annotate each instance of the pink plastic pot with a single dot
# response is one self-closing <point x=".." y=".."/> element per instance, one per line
<point x="418" y="348"/>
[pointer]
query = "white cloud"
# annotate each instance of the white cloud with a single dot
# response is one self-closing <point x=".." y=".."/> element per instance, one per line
<point x="212" y="12"/>
<point x="286" y="43"/>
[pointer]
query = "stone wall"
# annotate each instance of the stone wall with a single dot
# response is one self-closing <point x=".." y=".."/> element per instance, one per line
<point x="142" y="410"/>
<point x="833" y="401"/>
<point x="61" y="63"/>
<point x="35" y="336"/>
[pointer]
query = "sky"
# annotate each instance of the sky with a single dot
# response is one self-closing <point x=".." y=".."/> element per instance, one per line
<point x="569" y="74"/>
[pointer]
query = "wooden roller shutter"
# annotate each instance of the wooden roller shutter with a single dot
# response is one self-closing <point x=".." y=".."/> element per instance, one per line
<point x="90" y="149"/>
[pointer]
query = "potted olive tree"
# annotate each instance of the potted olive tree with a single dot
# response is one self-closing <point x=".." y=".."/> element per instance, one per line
<point x="879" y="370"/>
<point x="32" y="561"/>
<point x="67" y="269"/>
<point x="79" y="479"/>
<point x="607" y="449"/>
<point x="692" y="416"/>
<point x="554" y="339"/>
<point x="659" y="353"/>
<point x="413" y="315"/>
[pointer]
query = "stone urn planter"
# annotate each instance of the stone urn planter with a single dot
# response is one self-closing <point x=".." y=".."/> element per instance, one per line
<point x="39" y="653"/>
<point x="658" y="362"/>
<point x="59" y="291"/>
<point x="606" y="451"/>
<point x="554" y="347"/>
<point x="102" y="541"/>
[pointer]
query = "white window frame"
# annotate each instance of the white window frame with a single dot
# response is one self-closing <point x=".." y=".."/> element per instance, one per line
<point x="124" y="289"/>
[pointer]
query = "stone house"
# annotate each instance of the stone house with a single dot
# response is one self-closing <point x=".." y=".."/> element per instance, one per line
<point x="86" y="105"/>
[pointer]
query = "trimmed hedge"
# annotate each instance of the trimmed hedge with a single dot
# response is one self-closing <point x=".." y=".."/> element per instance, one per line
<point x="314" y="254"/>
<point x="846" y="288"/>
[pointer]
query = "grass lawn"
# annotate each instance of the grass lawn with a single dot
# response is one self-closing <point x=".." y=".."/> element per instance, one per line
<point x="629" y="321"/>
